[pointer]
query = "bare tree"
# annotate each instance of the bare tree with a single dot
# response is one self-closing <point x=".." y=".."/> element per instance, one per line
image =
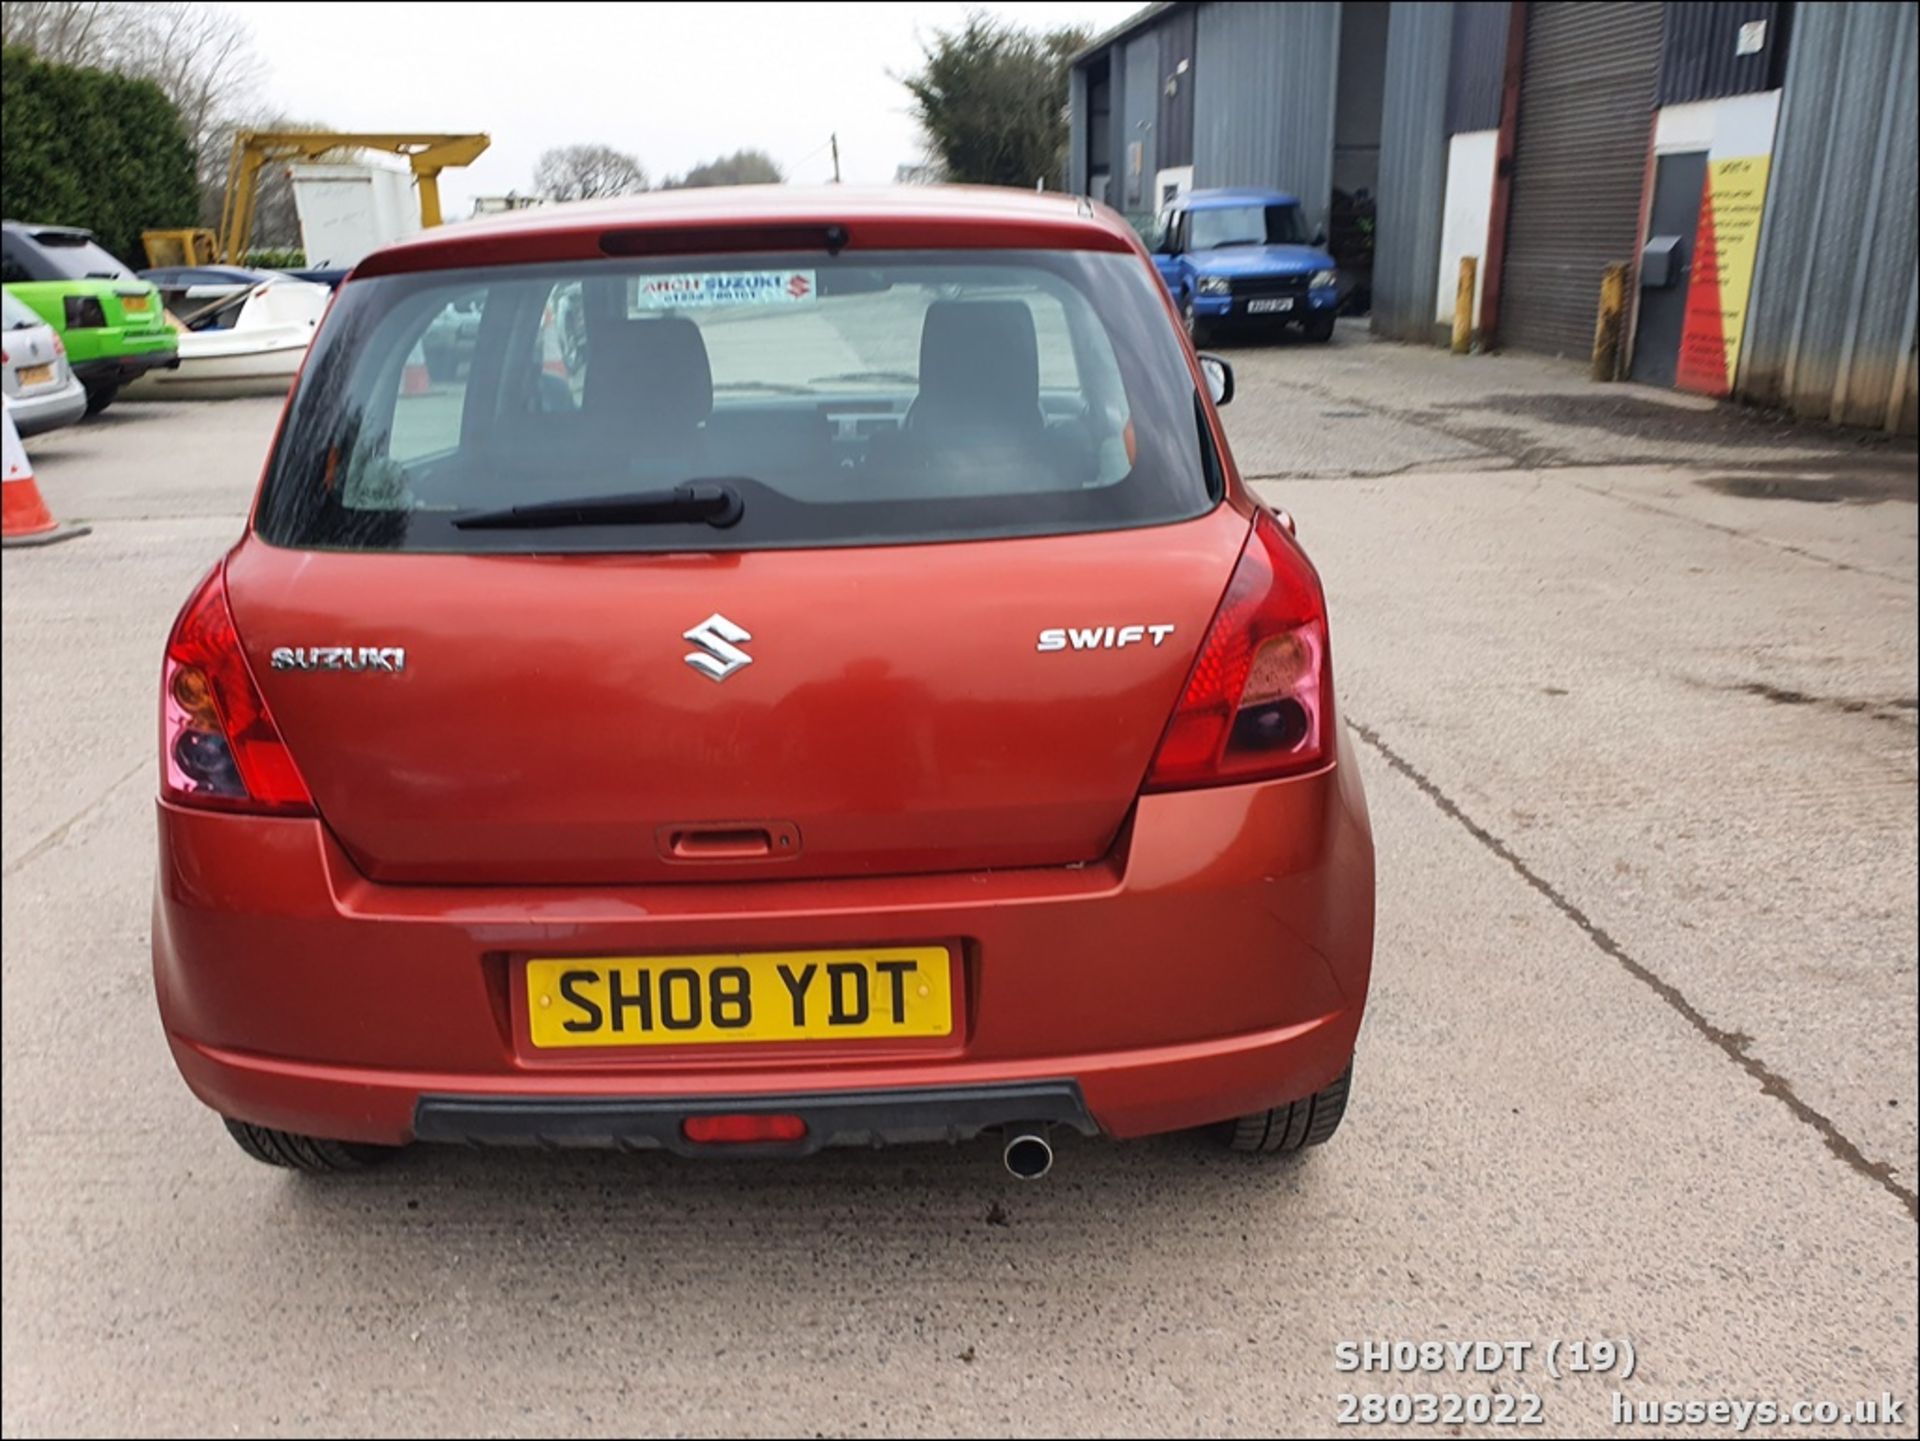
<point x="201" y="57"/>
<point x="586" y="172"/>
<point x="62" y="32"/>
<point x="743" y="167"/>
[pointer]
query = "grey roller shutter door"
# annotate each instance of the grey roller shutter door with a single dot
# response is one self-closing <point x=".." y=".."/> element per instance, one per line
<point x="1587" y="102"/>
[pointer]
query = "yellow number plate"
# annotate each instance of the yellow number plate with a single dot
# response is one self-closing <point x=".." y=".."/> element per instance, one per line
<point x="134" y="304"/>
<point x="898" y="992"/>
<point x="35" y="375"/>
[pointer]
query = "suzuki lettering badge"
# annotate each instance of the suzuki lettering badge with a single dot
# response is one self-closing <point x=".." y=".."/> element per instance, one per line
<point x="720" y="655"/>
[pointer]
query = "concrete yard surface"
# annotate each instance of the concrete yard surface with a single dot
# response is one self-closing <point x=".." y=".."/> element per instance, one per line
<point x="1633" y="678"/>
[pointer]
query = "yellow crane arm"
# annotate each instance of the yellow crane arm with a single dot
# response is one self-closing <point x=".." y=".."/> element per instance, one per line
<point x="253" y="149"/>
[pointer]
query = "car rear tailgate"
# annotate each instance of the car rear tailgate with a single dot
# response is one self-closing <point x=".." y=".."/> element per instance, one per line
<point x="898" y="712"/>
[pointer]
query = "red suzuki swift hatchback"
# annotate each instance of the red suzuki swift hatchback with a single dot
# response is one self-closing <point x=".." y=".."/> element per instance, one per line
<point x="800" y="670"/>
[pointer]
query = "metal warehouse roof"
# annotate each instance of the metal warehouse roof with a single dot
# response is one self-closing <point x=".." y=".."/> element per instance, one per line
<point x="1139" y="20"/>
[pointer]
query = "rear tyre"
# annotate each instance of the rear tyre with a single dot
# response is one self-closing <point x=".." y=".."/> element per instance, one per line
<point x="311" y="1154"/>
<point x="1294" y="1127"/>
<point x="99" y="397"/>
<point x="1320" y="328"/>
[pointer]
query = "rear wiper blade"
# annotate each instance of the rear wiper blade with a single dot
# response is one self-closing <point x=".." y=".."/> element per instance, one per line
<point x="715" y="502"/>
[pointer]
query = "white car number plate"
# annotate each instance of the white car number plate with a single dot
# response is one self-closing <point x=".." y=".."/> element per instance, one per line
<point x="1267" y="307"/>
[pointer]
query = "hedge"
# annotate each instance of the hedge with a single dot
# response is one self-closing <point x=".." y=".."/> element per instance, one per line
<point x="93" y="149"/>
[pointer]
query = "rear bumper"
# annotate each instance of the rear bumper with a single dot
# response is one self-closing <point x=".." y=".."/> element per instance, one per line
<point x="833" y="1118"/>
<point x="123" y="366"/>
<point x="48" y="409"/>
<point x="1123" y="1094"/>
<point x="1215" y="964"/>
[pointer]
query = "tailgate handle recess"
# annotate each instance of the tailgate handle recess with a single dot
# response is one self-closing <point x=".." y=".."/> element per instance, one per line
<point x="734" y="841"/>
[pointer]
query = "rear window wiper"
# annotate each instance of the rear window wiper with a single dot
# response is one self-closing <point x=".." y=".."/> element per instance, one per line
<point x="715" y="502"/>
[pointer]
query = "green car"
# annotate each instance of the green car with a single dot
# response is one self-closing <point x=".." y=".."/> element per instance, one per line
<point x="111" y="321"/>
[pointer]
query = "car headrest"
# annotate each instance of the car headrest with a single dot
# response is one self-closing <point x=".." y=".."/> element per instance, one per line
<point x="652" y="370"/>
<point x="979" y="359"/>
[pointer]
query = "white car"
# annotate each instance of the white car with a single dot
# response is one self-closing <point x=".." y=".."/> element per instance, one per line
<point x="41" y="389"/>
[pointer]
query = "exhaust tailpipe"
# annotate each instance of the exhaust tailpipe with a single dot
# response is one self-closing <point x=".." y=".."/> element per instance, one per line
<point x="1028" y="1155"/>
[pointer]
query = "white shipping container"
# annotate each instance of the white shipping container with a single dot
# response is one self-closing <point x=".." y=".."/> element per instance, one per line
<point x="348" y="211"/>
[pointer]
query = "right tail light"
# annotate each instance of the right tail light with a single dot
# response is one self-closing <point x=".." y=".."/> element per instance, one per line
<point x="219" y="747"/>
<point x="1259" y="702"/>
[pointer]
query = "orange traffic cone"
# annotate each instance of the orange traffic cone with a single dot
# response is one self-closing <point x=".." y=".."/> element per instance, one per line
<point x="24" y="518"/>
<point x="415" y="380"/>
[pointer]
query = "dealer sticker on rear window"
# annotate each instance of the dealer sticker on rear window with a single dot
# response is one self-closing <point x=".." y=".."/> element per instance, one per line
<point x="720" y="287"/>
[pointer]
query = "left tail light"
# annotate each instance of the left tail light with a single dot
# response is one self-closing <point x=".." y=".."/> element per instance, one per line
<point x="219" y="747"/>
<point x="1259" y="701"/>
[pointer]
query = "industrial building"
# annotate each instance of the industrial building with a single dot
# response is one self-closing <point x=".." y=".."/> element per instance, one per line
<point x="1753" y="163"/>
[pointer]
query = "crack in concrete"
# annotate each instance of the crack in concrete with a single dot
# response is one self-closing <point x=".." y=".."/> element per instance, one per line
<point x="1735" y="1045"/>
<point x="1779" y="546"/>
<point x="60" y="832"/>
<point x="1506" y="467"/>
<point x="1454" y="465"/>
<point x="1522" y="449"/>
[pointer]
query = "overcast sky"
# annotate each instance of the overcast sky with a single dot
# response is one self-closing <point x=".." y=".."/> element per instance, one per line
<point x="674" y="84"/>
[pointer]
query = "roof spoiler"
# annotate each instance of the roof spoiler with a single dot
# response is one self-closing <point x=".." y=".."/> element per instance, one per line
<point x="723" y="239"/>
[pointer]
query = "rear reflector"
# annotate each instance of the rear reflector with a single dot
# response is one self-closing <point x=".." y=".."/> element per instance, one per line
<point x="742" y="1130"/>
<point x="1259" y="701"/>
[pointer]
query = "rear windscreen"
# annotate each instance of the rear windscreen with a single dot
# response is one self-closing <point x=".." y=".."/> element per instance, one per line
<point x="79" y="257"/>
<point x="859" y="399"/>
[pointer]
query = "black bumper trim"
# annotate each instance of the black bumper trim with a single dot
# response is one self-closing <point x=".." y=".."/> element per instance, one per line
<point x="834" y="1118"/>
<point x="119" y="369"/>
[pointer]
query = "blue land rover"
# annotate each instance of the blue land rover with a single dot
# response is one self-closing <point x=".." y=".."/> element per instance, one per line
<point x="1243" y="257"/>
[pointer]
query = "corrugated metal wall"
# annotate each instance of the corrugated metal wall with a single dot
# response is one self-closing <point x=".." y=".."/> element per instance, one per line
<point x="1263" y="111"/>
<point x="1140" y="112"/>
<point x="1077" y="130"/>
<point x="1177" y="64"/>
<point x="1116" y="156"/>
<point x="1479" y="45"/>
<point x="1831" y="329"/>
<point x="1099" y="120"/>
<point x="1580" y="161"/>
<point x="1413" y="169"/>
<point x="1701" y="58"/>
<point x="1359" y="98"/>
